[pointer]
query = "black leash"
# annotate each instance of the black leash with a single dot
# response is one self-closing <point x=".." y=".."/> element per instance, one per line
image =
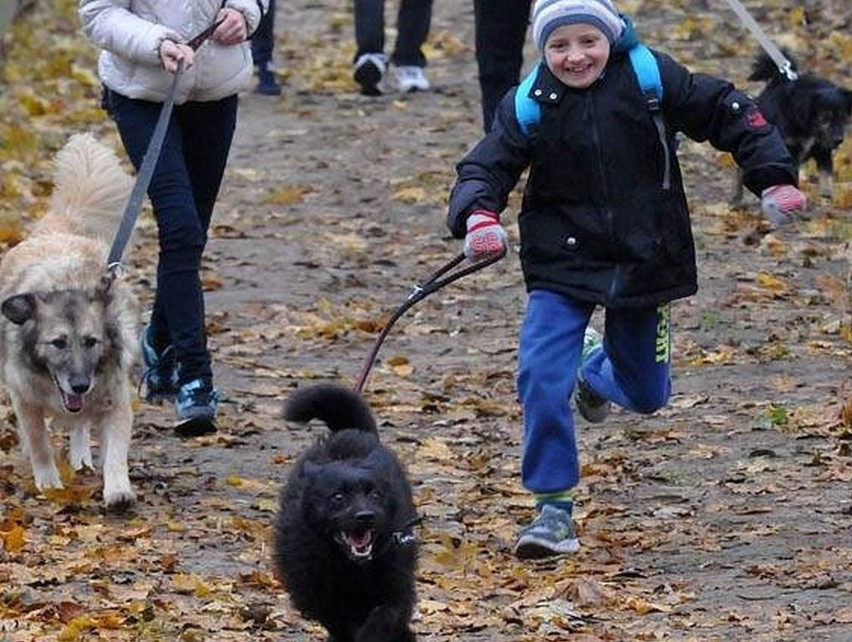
<point x="149" y="162"/>
<point x="420" y="292"/>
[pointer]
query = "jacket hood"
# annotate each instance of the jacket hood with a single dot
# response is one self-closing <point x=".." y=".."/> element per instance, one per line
<point x="628" y="38"/>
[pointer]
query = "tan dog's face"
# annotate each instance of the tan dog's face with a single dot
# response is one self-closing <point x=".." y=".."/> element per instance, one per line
<point x="63" y="334"/>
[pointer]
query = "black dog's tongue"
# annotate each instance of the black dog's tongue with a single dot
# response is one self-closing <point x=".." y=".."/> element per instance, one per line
<point x="360" y="543"/>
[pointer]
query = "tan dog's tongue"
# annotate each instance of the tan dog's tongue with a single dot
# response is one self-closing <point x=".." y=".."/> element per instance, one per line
<point x="73" y="403"/>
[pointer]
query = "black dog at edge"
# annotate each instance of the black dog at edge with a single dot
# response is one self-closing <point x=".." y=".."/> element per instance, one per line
<point x="343" y="544"/>
<point x="811" y="112"/>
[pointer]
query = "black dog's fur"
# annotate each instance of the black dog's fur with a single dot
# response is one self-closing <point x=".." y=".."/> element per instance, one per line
<point x="343" y="546"/>
<point x="811" y="113"/>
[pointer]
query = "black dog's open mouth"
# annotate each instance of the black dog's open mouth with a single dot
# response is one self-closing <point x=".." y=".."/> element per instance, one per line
<point x="359" y="544"/>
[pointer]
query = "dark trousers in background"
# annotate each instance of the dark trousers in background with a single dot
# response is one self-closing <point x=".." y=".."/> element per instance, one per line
<point x="263" y="40"/>
<point x="413" y="21"/>
<point x="501" y="29"/>
<point x="183" y="192"/>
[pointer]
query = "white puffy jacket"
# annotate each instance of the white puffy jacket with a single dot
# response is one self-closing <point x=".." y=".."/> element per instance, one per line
<point x="130" y="32"/>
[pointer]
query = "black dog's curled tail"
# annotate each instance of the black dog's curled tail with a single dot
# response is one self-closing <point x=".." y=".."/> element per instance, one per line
<point x="764" y="68"/>
<point x="340" y="408"/>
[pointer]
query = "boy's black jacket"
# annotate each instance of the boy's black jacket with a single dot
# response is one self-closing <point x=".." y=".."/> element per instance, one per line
<point x="596" y="223"/>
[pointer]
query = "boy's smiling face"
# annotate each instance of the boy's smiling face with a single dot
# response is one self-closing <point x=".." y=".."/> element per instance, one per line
<point x="577" y="54"/>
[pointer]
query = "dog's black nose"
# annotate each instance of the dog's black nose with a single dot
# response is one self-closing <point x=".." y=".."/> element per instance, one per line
<point x="80" y="385"/>
<point x="365" y="517"/>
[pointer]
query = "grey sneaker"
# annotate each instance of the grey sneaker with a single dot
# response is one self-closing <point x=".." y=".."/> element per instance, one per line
<point x="593" y="407"/>
<point x="159" y="378"/>
<point x="551" y="533"/>
<point x="196" y="409"/>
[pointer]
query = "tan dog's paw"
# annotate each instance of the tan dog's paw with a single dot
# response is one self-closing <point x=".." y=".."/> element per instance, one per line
<point x="119" y="501"/>
<point x="46" y="476"/>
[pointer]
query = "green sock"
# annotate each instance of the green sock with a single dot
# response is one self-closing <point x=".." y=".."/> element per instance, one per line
<point x="564" y="500"/>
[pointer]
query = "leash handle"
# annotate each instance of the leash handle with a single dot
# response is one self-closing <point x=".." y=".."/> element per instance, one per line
<point x="434" y="282"/>
<point x="421" y="291"/>
<point x="198" y="40"/>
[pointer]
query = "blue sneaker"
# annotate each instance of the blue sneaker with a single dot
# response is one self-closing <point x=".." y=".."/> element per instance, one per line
<point x="591" y="406"/>
<point x="159" y="379"/>
<point x="551" y="533"/>
<point x="196" y="408"/>
<point x="267" y="83"/>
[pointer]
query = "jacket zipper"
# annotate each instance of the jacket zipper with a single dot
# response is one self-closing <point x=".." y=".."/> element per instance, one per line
<point x="588" y="116"/>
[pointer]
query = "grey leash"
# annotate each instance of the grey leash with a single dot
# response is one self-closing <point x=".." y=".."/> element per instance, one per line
<point x="143" y="178"/>
<point x="784" y="65"/>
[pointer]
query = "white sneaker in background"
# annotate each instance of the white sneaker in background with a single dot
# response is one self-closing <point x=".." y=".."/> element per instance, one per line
<point x="410" y="78"/>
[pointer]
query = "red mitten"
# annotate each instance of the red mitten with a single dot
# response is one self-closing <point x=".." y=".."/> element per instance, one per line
<point x="485" y="235"/>
<point x="780" y="204"/>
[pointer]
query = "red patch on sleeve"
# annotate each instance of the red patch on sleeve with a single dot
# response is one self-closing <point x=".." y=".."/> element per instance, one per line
<point x="756" y="119"/>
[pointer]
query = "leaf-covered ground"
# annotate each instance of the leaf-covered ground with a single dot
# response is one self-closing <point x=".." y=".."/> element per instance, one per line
<point x="724" y="517"/>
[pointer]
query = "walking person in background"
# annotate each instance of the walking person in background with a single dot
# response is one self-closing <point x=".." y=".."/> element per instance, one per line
<point x="263" y="52"/>
<point x="142" y="45"/>
<point x="604" y="222"/>
<point x="500" y="28"/>
<point x="371" y="64"/>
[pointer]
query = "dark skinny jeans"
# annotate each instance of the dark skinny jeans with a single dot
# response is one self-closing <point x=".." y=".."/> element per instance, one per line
<point x="183" y="192"/>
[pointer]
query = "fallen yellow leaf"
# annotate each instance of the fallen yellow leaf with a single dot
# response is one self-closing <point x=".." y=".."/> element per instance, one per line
<point x="13" y="539"/>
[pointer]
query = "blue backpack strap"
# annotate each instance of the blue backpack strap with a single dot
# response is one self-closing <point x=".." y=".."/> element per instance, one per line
<point x="648" y="74"/>
<point x="527" y="110"/>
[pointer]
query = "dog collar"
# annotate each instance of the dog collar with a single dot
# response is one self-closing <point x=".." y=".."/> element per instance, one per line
<point x="405" y="536"/>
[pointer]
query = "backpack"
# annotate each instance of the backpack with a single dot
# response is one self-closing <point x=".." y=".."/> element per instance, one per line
<point x="528" y="111"/>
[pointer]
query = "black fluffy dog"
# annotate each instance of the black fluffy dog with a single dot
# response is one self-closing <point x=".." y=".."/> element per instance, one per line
<point x="343" y="543"/>
<point x="811" y="113"/>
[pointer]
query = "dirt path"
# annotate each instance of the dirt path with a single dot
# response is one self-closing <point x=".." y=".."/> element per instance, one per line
<point x="724" y="517"/>
<point x="714" y="516"/>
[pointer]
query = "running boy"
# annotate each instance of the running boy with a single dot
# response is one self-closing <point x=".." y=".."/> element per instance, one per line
<point x="604" y="221"/>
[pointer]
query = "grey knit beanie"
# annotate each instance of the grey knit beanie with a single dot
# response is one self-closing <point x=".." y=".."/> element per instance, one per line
<point x="547" y="15"/>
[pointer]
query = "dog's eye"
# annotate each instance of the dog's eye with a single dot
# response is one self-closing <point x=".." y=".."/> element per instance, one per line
<point x="376" y="494"/>
<point x="90" y="342"/>
<point x="338" y="497"/>
<point x="60" y="343"/>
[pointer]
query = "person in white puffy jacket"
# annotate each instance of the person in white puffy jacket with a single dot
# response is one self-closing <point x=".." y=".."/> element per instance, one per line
<point x="142" y="44"/>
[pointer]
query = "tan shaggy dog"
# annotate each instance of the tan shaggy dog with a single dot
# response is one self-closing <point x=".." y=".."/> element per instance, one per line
<point x="68" y="330"/>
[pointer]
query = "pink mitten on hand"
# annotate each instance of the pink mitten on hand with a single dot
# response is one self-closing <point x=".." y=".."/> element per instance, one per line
<point x="780" y="204"/>
<point x="485" y="235"/>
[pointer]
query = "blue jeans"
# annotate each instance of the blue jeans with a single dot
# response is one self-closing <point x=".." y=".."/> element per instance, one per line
<point x="633" y="370"/>
<point x="413" y="21"/>
<point x="263" y="39"/>
<point x="183" y="192"/>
